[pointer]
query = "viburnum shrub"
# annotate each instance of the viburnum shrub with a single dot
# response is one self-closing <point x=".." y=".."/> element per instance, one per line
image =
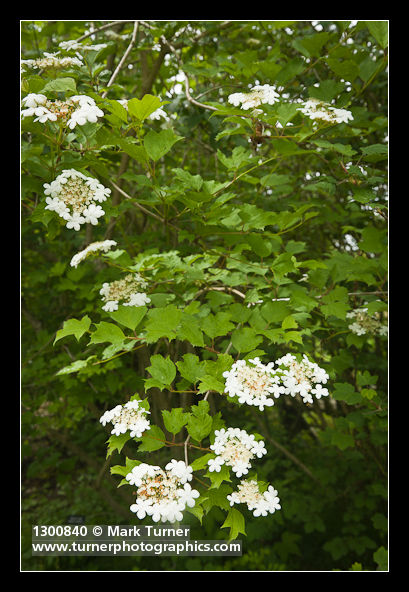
<point x="237" y="359"/>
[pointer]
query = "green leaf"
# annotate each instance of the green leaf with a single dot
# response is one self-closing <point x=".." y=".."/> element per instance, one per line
<point x="118" y="110"/>
<point x="200" y="463"/>
<point x="200" y="422"/>
<point x="162" y="370"/>
<point x="381" y="558"/>
<point x="342" y="440"/>
<point x="162" y="322"/>
<point x="60" y="85"/>
<point x="142" y="108"/>
<point x="275" y="312"/>
<point x="373" y="240"/>
<point x="217" y="325"/>
<point x="346" y="69"/>
<point x="217" y="497"/>
<point x="210" y="383"/>
<point x="124" y="470"/>
<point x="157" y="144"/>
<point x="336" y="303"/>
<point x="190" y="330"/>
<point x="289" y="323"/>
<point x="117" y="442"/>
<point x="379" y="30"/>
<point x="129" y="316"/>
<point x="327" y="90"/>
<point x="152" y="439"/>
<point x="175" y="419"/>
<point x="217" y="478"/>
<point x="234" y="521"/>
<point x="245" y="339"/>
<point x="191" y="368"/>
<point x="73" y="367"/>
<point x="107" y="332"/>
<point x="286" y="112"/>
<point x="346" y="392"/>
<point x="74" y="327"/>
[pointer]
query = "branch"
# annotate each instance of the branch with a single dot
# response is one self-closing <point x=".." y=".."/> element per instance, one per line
<point x="102" y="28"/>
<point x="123" y="59"/>
<point x="138" y="205"/>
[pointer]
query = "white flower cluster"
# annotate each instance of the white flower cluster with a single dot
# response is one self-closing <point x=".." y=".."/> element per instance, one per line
<point x="73" y="195"/>
<point x="366" y="323"/>
<point x="315" y="109"/>
<point x="158" y="114"/>
<point x="125" y="291"/>
<point x="257" y="96"/>
<point x="259" y="384"/>
<point x="235" y="448"/>
<point x="253" y="385"/>
<point x="50" y="60"/>
<point x="162" y="494"/>
<point x="261" y="504"/>
<point x="303" y="378"/>
<point x="129" y="417"/>
<point x="92" y="248"/>
<point x="76" y="110"/>
<point x="76" y="46"/>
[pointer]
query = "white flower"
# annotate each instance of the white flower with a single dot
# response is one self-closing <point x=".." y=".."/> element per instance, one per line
<point x="50" y="60"/>
<point x="73" y="45"/>
<point x="188" y="495"/>
<point x="73" y="111"/>
<point x="300" y="378"/>
<point x="104" y="246"/>
<point x="74" y="221"/>
<point x="252" y="384"/>
<point x="182" y="471"/>
<point x="138" y="299"/>
<point x="319" y="391"/>
<point x="158" y="114"/>
<point x="125" y="291"/>
<point x="235" y="448"/>
<point x="215" y="464"/>
<point x="366" y="323"/>
<point x="316" y="109"/>
<point x="110" y="306"/>
<point x="129" y="417"/>
<point x="34" y="100"/>
<point x="72" y="196"/>
<point x="162" y="494"/>
<point x="261" y="504"/>
<point x="92" y="213"/>
<point x="257" y="96"/>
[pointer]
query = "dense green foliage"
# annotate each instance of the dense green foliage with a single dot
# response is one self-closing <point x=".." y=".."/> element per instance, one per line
<point x="254" y="247"/>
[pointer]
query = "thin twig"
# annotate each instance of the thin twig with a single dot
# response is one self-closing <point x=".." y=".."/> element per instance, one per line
<point x="102" y="28"/>
<point x="123" y="59"/>
<point x="138" y="205"/>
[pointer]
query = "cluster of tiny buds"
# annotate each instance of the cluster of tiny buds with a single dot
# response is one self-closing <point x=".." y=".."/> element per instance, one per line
<point x="72" y="195"/>
<point x="162" y="494"/>
<point x="365" y="323"/>
<point x="129" y="417"/>
<point x="235" y="448"/>
<point x="73" y="111"/>
<point x="126" y="291"/>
